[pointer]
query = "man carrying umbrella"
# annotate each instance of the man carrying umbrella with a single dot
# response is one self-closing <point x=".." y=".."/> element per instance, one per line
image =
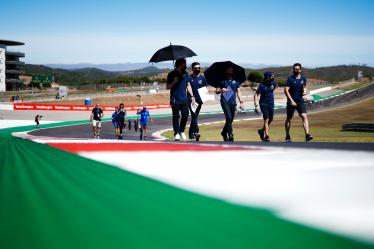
<point x="177" y="83"/>
<point x="227" y="76"/>
<point x="229" y="90"/>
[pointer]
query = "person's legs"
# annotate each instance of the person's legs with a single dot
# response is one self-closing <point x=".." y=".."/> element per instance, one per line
<point x="176" y="116"/>
<point x="191" y="130"/>
<point x="231" y="120"/>
<point x="304" y="119"/>
<point x="197" y="112"/>
<point x="184" y="118"/>
<point x="287" y="124"/>
<point x="226" y="110"/>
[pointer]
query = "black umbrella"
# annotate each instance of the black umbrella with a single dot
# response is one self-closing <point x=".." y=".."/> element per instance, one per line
<point x="171" y="53"/>
<point x="217" y="73"/>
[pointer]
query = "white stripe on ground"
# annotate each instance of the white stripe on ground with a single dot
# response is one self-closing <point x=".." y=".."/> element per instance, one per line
<point x="331" y="190"/>
<point x="16" y="123"/>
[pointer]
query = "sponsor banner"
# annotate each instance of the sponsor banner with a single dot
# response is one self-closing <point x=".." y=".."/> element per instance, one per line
<point x="55" y="107"/>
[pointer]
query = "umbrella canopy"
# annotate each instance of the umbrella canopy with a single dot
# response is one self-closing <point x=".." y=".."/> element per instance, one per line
<point x="216" y="73"/>
<point x="171" y="53"/>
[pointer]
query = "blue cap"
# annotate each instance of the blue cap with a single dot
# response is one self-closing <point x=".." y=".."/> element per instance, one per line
<point x="144" y="107"/>
<point x="268" y="74"/>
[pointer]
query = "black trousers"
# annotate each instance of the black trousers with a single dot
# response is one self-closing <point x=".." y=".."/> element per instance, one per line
<point x="194" y="126"/>
<point x="180" y="117"/>
<point x="229" y="111"/>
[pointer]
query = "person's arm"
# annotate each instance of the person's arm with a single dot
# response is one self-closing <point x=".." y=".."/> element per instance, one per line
<point x="190" y="92"/>
<point x="239" y="94"/>
<point x="171" y="81"/>
<point x="288" y="95"/>
<point x="91" y="117"/>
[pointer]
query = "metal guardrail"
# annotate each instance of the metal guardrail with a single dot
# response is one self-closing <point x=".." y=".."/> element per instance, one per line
<point x="365" y="127"/>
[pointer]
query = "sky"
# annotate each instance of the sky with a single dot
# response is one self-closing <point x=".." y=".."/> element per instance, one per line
<point x="271" y="32"/>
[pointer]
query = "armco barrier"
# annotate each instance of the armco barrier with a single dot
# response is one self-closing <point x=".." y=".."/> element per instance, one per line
<point x="55" y="107"/>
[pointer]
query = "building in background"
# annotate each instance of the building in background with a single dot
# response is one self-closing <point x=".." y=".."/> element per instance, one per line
<point x="10" y="66"/>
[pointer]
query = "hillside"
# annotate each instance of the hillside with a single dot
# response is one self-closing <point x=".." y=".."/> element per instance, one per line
<point x="93" y="75"/>
<point x="330" y="74"/>
<point x="86" y="75"/>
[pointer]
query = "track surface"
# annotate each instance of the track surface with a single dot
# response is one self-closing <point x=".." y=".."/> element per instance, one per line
<point x="84" y="131"/>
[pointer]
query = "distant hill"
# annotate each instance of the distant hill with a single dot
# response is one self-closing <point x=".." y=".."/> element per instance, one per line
<point x="122" y="67"/>
<point x="330" y="74"/>
<point x="93" y="75"/>
<point x="86" y="75"/>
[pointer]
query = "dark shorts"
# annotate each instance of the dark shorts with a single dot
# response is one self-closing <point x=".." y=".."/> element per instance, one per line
<point x="115" y="123"/>
<point x="144" y="125"/>
<point x="291" y="109"/>
<point x="267" y="111"/>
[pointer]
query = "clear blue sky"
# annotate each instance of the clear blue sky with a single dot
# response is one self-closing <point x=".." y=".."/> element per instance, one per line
<point x="317" y="33"/>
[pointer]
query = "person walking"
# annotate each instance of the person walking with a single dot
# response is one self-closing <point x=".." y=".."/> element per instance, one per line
<point x="115" y="122"/>
<point x="177" y="83"/>
<point x="295" y="91"/>
<point x="229" y="90"/>
<point x="197" y="81"/>
<point x="96" y="115"/>
<point x="266" y="102"/>
<point x="121" y="117"/>
<point x="145" y="118"/>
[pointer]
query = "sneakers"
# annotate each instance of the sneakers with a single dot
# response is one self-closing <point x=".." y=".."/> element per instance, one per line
<point x="177" y="137"/>
<point x="197" y="137"/>
<point x="288" y="139"/>
<point x="183" y="136"/>
<point x="224" y="136"/>
<point x="97" y="136"/>
<point x="308" y="137"/>
<point x="266" y="138"/>
<point x="231" y="137"/>
<point x="261" y="133"/>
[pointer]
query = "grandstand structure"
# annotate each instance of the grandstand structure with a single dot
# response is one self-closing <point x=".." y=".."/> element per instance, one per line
<point x="10" y="66"/>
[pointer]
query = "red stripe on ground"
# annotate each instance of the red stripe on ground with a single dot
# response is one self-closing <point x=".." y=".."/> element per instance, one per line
<point x="82" y="147"/>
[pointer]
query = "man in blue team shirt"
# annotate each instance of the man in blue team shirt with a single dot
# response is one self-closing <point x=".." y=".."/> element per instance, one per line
<point x="177" y="83"/>
<point x="295" y="91"/>
<point x="229" y="90"/>
<point x="145" y="117"/>
<point x="196" y="81"/>
<point x="266" y="92"/>
<point x="96" y="115"/>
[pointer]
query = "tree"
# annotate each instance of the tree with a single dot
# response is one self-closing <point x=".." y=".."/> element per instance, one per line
<point x="255" y="77"/>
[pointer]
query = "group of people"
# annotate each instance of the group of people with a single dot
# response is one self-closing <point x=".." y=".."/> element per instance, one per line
<point x="119" y="121"/>
<point x="184" y="93"/>
<point x="185" y="100"/>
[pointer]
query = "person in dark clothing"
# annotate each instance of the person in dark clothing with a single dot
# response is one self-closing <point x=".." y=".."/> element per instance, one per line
<point x="37" y="119"/>
<point x="229" y="90"/>
<point x="197" y="81"/>
<point x="177" y="83"/>
<point x="266" y="92"/>
<point x="96" y="115"/>
<point x="295" y="91"/>
<point x="121" y="117"/>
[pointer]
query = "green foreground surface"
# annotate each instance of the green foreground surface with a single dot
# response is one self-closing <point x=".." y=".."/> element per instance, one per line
<point x="53" y="199"/>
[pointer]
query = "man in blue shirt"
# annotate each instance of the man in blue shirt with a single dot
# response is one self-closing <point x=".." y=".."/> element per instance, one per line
<point x="145" y="117"/>
<point x="196" y="81"/>
<point x="177" y="83"/>
<point x="266" y="92"/>
<point x="121" y="118"/>
<point x="96" y="115"/>
<point x="115" y="122"/>
<point x="229" y="90"/>
<point x="295" y="91"/>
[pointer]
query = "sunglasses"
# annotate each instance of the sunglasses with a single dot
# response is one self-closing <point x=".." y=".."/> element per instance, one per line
<point x="198" y="68"/>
